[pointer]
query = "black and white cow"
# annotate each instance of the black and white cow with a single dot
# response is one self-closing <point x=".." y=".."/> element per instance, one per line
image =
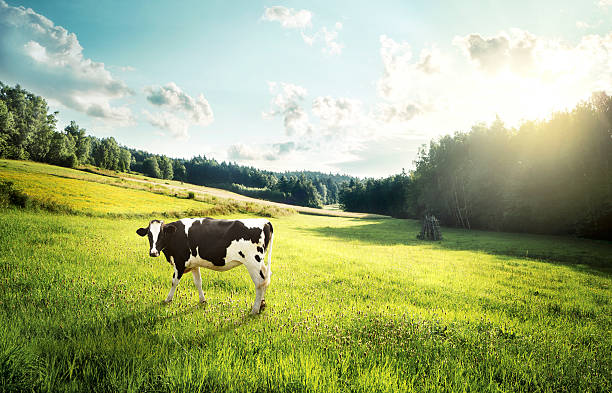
<point x="192" y="243"/>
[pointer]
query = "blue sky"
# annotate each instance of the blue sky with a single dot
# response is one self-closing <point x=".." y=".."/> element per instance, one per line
<point x="344" y="86"/>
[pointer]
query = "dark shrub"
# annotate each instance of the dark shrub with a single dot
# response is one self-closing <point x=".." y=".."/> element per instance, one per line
<point x="10" y="196"/>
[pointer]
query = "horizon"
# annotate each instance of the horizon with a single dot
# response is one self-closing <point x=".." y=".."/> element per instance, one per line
<point x="303" y="86"/>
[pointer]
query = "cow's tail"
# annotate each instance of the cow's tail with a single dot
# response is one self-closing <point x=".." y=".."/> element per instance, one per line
<point x="269" y="261"/>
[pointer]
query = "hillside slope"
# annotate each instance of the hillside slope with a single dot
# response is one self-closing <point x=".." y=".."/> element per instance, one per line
<point x="30" y="176"/>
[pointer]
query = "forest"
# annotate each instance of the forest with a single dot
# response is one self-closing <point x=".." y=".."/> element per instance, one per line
<point x="28" y="132"/>
<point x="551" y="176"/>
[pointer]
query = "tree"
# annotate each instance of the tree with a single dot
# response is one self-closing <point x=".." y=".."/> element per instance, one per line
<point x="30" y="117"/>
<point x="7" y="129"/>
<point x="82" y="142"/>
<point x="125" y="160"/>
<point x="150" y="167"/>
<point x="165" y="167"/>
<point x="106" y="154"/>
<point x="179" y="170"/>
<point x="61" y="150"/>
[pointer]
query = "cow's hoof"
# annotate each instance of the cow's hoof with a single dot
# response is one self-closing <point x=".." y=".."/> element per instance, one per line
<point x="203" y="302"/>
<point x="167" y="301"/>
<point x="262" y="305"/>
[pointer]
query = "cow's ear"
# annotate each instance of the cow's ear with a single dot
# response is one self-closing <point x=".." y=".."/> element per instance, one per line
<point x="142" y="231"/>
<point x="169" y="229"/>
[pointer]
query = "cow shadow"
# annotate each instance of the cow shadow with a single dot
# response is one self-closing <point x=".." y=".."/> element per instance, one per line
<point x="147" y="327"/>
<point x="585" y="255"/>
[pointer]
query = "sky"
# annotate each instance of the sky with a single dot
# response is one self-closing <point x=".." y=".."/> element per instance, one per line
<point x="352" y="87"/>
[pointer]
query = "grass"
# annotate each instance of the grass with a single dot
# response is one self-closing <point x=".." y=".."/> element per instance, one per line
<point x="92" y="194"/>
<point x="354" y="305"/>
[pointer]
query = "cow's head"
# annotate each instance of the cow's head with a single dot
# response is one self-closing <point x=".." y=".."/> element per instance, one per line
<point x="159" y="235"/>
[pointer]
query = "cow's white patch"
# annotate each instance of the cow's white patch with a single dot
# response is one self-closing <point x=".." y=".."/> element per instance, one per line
<point x="154" y="228"/>
<point x="240" y="247"/>
<point x="254" y="222"/>
<point x="175" y="283"/>
<point x="197" y="280"/>
<point x="188" y="222"/>
<point x="198" y="261"/>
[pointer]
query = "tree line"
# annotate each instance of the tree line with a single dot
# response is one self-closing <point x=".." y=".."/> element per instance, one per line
<point x="28" y="132"/>
<point x="552" y="177"/>
<point x="313" y="189"/>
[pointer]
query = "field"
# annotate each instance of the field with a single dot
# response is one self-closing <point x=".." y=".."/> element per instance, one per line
<point x="354" y="305"/>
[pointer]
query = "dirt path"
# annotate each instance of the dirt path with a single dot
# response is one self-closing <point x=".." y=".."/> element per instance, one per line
<point x="219" y="193"/>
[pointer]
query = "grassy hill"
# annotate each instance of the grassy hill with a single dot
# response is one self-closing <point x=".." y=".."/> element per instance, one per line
<point x="354" y="304"/>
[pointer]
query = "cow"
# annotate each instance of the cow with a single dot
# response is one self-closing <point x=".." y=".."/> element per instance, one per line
<point x="191" y="243"/>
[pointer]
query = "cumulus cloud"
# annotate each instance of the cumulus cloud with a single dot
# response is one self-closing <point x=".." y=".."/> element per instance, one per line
<point x="514" y="73"/>
<point x="263" y="152"/>
<point x="288" y="104"/>
<point x="332" y="47"/>
<point x="288" y="17"/>
<point x="241" y="152"/>
<point x="167" y="121"/>
<point x="172" y="98"/>
<point x="402" y="112"/>
<point x="49" y="60"/>
<point x="292" y="19"/>
<point x="338" y="113"/>
<point x="513" y="50"/>
<point x="180" y="110"/>
<point x="401" y="74"/>
<point x="528" y="56"/>
<point x="328" y="37"/>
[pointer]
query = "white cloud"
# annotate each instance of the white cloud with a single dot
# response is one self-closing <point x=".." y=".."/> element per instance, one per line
<point x="263" y="152"/>
<point x="409" y="87"/>
<point x="288" y="17"/>
<point x="515" y="74"/>
<point x="401" y="112"/>
<point x="329" y="38"/>
<point x="292" y="19"/>
<point x="604" y="4"/>
<point x="338" y="113"/>
<point x="49" y="60"/>
<point x="309" y="40"/>
<point x="552" y="62"/>
<point x="288" y="103"/>
<point x="514" y="50"/>
<point x="180" y="110"/>
<point x="332" y="47"/>
<point x="171" y="97"/>
<point x="241" y="152"/>
<point x="167" y="121"/>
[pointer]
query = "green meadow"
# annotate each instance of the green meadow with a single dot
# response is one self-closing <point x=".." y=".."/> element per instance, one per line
<point x="355" y="305"/>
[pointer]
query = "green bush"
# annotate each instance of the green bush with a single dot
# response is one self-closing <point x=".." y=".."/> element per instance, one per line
<point x="10" y="196"/>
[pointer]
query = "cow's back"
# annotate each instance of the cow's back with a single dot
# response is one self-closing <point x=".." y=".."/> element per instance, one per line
<point x="210" y="238"/>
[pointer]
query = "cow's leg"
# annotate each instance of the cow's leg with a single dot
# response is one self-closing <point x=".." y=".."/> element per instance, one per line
<point x="258" y="298"/>
<point x="176" y="279"/>
<point x="197" y="280"/>
<point x="259" y="280"/>
<point x="266" y="273"/>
